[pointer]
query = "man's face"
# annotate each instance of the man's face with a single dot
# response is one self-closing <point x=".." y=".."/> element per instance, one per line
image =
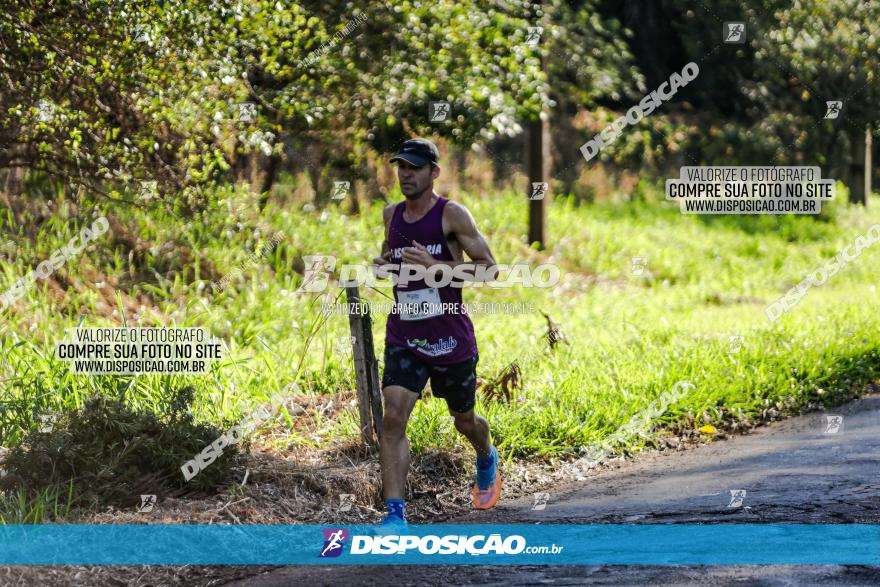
<point x="415" y="180"/>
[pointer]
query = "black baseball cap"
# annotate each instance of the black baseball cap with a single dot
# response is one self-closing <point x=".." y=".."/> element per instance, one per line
<point x="418" y="152"/>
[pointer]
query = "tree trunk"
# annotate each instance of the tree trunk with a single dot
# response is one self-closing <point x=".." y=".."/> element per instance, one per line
<point x="267" y="178"/>
<point x="14" y="185"/>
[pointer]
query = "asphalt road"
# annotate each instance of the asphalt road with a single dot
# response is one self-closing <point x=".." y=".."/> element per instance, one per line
<point x="797" y="470"/>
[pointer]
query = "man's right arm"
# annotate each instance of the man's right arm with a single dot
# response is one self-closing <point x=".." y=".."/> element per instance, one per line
<point x="385" y="257"/>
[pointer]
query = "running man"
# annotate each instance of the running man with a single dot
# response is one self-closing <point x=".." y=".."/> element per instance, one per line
<point x="428" y="230"/>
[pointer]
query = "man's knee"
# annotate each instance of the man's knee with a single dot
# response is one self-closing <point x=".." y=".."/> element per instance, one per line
<point x="397" y="410"/>
<point x="394" y="420"/>
<point x="464" y="421"/>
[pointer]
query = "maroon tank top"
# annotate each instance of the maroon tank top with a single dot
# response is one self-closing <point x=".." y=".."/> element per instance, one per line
<point x="439" y="338"/>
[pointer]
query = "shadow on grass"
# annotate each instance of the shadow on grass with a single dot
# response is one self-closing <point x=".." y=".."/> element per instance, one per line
<point x="108" y="454"/>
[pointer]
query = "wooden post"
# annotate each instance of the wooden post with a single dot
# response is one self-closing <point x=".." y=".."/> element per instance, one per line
<point x="366" y="369"/>
<point x="869" y="168"/>
<point x="537" y="149"/>
<point x="537" y="161"/>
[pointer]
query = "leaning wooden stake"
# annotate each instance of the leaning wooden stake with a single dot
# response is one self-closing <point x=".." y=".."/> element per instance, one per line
<point x="366" y="368"/>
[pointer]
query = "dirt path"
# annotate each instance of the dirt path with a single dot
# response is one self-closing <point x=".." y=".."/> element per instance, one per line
<point x="791" y="471"/>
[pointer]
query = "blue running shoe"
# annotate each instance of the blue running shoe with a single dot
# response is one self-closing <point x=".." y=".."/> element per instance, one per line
<point x="487" y="488"/>
<point x="392" y="526"/>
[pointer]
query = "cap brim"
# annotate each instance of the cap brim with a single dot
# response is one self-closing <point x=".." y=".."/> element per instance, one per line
<point x="412" y="159"/>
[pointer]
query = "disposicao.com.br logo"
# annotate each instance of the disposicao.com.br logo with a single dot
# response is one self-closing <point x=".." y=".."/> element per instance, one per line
<point x="451" y="544"/>
<point x="334" y="542"/>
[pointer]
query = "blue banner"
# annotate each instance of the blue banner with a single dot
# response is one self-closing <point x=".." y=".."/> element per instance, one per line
<point x="467" y="544"/>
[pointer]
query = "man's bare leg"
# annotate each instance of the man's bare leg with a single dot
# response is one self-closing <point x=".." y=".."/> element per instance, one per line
<point x="394" y="447"/>
<point x="487" y="486"/>
<point x="475" y="428"/>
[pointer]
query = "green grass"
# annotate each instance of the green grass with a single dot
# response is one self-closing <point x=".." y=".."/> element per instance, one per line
<point x="628" y="338"/>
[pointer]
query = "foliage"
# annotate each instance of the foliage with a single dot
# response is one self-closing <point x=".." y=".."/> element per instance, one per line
<point x="129" y="92"/>
<point x="762" y="102"/>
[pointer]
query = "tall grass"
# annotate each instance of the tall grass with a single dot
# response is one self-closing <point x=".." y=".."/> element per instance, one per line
<point x="628" y="338"/>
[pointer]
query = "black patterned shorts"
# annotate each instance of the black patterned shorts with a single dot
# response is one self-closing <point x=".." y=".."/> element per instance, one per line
<point x="456" y="383"/>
